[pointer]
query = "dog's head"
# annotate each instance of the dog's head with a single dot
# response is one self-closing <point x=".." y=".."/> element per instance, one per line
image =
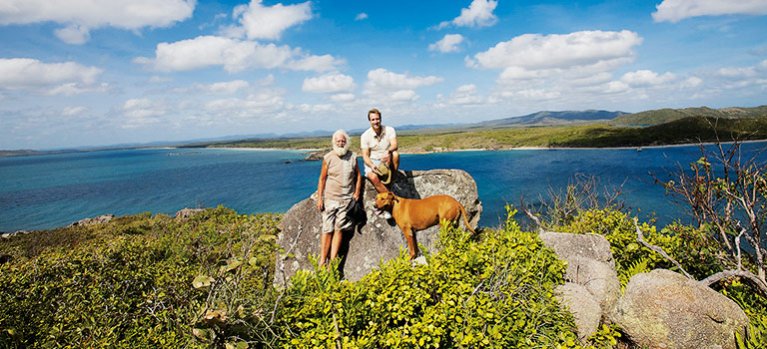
<point x="385" y="201"/>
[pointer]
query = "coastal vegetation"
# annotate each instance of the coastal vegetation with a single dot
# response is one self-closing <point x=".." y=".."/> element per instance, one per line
<point x="207" y="280"/>
<point x="649" y="128"/>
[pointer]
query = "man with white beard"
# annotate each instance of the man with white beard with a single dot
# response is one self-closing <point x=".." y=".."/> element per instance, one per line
<point x="337" y="191"/>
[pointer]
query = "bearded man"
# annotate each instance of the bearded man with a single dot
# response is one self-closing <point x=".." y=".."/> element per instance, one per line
<point x="337" y="191"/>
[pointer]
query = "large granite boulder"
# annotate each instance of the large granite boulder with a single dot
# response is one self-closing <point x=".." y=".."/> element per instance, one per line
<point x="590" y="264"/>
<point x="583" y="245"/>
<point x="664" y="309"/>
<point x="583" y="305"/>
<point x="373" y="239"/>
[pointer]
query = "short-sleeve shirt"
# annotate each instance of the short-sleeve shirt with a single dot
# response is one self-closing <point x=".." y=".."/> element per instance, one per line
<point x="378" y="145"/>
<point x="339" y="185"/>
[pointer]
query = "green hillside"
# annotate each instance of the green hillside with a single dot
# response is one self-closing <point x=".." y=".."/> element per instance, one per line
<point x="661" y="116"/>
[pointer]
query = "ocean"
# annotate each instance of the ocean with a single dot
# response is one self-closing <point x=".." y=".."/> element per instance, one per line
<point x="48" y="191"/>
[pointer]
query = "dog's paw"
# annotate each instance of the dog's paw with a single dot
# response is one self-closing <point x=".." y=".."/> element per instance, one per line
<point x="420" y="260"/>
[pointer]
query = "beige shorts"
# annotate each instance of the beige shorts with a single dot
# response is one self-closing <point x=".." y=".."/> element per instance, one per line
<point x="336" y="216"/>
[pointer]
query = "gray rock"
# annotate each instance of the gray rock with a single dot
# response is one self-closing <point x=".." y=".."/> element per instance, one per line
<point x="95" y="220"/>
<point x="598" y="278"/>
<point x="664" y="309"/>
<point x="186" y="213"/>
<point x="373" y="239"/>
<point x="584" y="307"/>
<point x="584" y="245"/>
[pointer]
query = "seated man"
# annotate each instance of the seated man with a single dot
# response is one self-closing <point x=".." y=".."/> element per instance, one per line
<point x="379" y="145"/>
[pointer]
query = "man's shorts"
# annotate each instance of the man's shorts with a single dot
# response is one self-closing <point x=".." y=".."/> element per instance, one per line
<point x="336" y="216"/>
<point x="369" y="170"/>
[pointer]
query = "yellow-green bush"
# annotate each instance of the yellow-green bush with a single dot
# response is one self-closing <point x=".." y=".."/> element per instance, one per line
<point x="126" y="283"/>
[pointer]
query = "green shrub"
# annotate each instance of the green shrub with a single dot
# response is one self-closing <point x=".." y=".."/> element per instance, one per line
<point x="126" y="283"/>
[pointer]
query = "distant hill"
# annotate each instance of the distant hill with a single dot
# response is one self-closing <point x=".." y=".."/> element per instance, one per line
<point x="549" y="118"/>
<point x="662" y="116"/>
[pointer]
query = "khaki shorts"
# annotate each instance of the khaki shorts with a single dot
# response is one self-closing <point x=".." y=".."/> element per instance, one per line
<point x="336" y="216"/>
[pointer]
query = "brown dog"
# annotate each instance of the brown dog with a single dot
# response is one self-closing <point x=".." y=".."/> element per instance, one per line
<point x="413" y="215"/>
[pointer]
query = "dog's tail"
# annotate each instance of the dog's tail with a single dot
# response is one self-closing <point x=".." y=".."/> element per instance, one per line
<point x="466" y="219"/>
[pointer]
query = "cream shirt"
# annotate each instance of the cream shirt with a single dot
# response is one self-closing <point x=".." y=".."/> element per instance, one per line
<point x="378" y="145"/>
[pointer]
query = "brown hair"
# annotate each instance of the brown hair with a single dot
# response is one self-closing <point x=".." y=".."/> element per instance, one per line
<point x="374" y="111"/>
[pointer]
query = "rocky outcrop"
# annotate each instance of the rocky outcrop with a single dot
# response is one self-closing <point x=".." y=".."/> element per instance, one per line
<point x="664" y="309"/>
<point x="591" y="278"/>
<point x="186" y="213"/>
<point x="92" y="221"/>
<point x="373" y="239"/>
<point x="583" y="305"/>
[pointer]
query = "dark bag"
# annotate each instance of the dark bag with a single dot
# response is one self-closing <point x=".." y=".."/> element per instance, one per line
<point x="357" y="211"/>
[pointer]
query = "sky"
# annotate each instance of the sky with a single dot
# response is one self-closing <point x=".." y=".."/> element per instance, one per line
<point x="79" y="73"/>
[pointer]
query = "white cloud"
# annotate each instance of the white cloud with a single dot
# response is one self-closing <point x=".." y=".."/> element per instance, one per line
<point x="382" y="78"/>
<point x="142" y="112"/>
<point x="73" y="34"/>
<point x="268" y="22"/>
<point x="328" y="83"/>
<point x="342" y="97"/>
<point x="646" y="78"/>
<point x="227" y="87"/>
<point x="677" y="10"/>
<point x="449" y="43"/>
<point x="80" y="16"/>
<point x="264" y="101"/>
<point x="692" y="82"/>
<point x="465" y="95"/>
<point x="73" y="111"/>
<point x="478" y="14"/>
<point x="535" y="51"/>
<point x="383" y="85"/>
<point x="51" y="78"/>
<point x="234" y="55"/>
<point x="361" y="16"/>
<point x="731" y="72"/>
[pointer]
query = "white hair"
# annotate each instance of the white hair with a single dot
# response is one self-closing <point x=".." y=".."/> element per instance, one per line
<point x="341" y="151"/>
<point x="340" y="132"/>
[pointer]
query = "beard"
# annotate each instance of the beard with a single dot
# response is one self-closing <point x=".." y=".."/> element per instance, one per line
<point x="341" y="151"/>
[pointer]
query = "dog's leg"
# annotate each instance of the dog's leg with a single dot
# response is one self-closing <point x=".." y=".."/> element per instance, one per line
<point x="411" y="244"/>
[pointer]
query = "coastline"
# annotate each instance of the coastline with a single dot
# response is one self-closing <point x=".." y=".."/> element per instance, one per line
<point x="442" y="150"/>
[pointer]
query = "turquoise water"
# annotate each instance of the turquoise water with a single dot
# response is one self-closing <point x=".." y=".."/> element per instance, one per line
<point x="41" y="192"/>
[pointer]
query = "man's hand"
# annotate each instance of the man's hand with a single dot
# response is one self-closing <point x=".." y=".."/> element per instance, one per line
<point x="356" y="196"/>
<point x="320" y="204"/>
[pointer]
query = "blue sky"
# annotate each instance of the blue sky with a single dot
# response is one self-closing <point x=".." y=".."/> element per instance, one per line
<point x="83" y="72"/>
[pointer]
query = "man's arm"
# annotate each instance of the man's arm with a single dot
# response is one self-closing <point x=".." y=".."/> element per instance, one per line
<point x="366" y="159"/>
<point x="358" y="185"/>
<point x="321" y="185"/>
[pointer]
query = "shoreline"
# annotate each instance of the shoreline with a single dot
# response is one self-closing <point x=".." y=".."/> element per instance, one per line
<point x="419" y="152"/>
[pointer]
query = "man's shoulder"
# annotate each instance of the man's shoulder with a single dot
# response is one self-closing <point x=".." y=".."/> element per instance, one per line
<point x="367" y="133"/>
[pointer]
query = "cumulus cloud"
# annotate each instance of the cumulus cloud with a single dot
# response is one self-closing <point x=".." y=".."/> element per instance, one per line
<point x="73" y="34"/>
<point x="331" y="83"/>
<point x="80" y="16"/>
<point x="465" y="95"/>
<point x="233" y="55"/>
<point x="74" y="111"/>
<point x="51" y="78"/>
<point x="449" y="43"/>
<point x="383" y="85"/>
<point x="227" y="86"/>
<point x="140" y="112"/>
<point x="646" y="78"/>
<point x="677" y="10"/>
<point x="478" y="14"/>
<point x="342" y="97"/>
<point x="361" y="16"/>
<point x="535" y="51"/>
<point x="268" y="22"/>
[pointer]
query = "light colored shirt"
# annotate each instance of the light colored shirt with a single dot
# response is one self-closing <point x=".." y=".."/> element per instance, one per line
<point x="339" y="185"/>
<point x="378" y="144"/>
